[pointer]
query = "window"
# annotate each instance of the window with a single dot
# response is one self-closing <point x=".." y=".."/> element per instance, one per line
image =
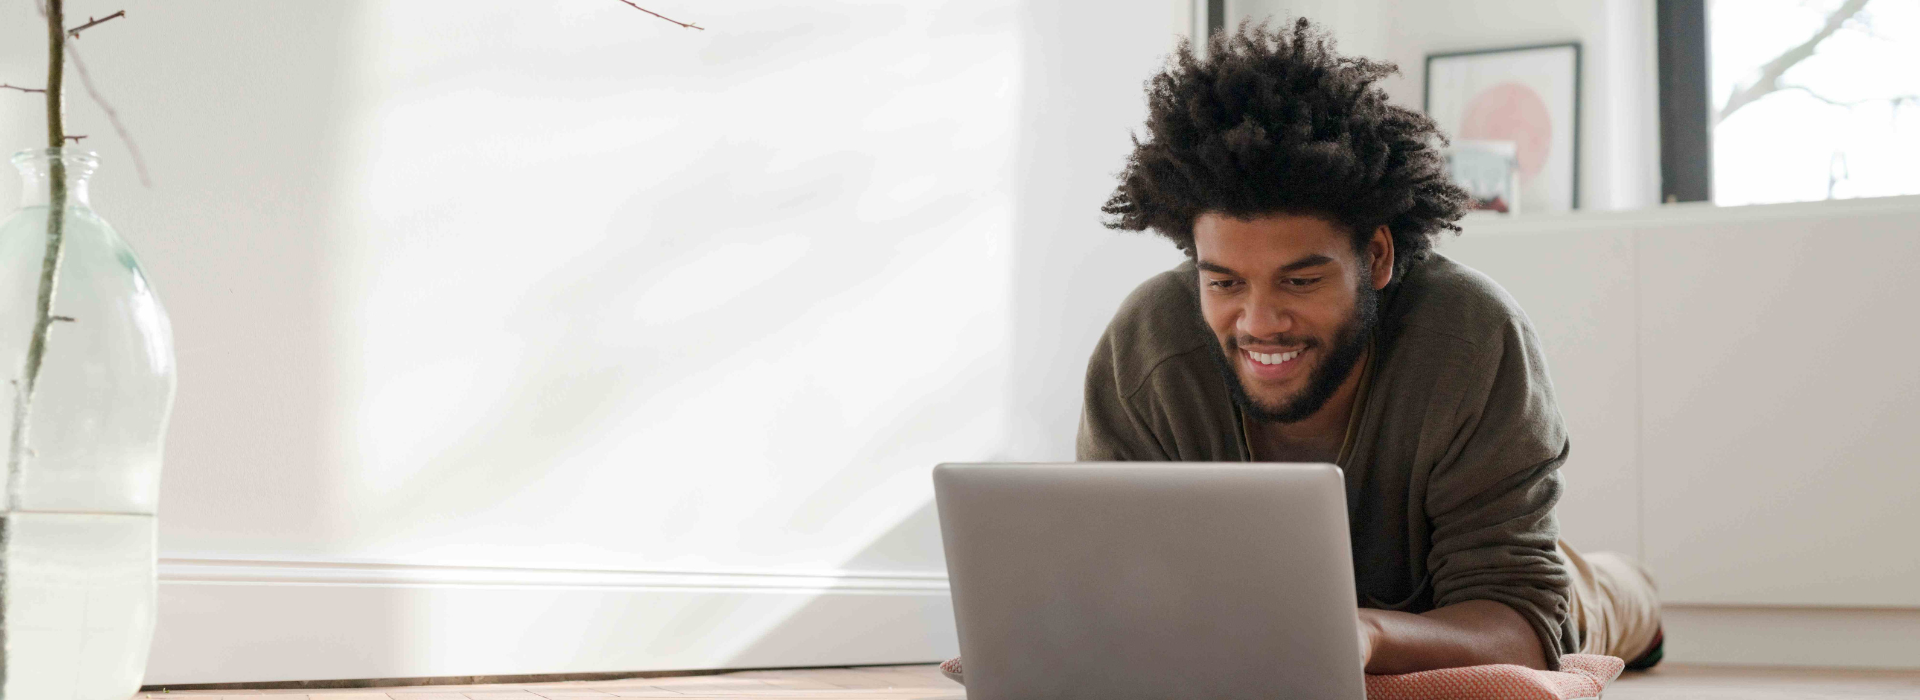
<point x="1813" y="99"/>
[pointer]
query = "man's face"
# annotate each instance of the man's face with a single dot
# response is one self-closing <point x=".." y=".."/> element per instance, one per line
<point x="1292" y="304"/>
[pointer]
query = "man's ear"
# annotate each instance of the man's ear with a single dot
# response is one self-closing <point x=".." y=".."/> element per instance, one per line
<point x="1380" y="256"/>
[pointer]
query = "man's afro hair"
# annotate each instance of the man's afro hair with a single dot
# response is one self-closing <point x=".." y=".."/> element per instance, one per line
<point x="1276" y="122"/>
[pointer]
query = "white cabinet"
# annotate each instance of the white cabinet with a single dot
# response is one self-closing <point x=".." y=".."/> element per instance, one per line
<point x="1780" y="365"/>
<point x="1742" y="387"/>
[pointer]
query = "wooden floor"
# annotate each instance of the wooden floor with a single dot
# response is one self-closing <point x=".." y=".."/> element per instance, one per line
<point x="925" y="683"/>
<point x="1674" y="682"/>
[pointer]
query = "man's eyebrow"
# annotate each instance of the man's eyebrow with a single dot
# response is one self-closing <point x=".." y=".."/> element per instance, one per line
<point x="1310" y="261"/>
<point x="1301" y="264"/>
<point x="1216" y="267"/>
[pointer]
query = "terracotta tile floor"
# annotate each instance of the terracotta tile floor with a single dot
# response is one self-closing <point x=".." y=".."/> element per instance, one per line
<point x="1668" y="682"/>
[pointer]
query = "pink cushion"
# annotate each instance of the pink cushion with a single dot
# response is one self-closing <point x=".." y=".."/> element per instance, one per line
<point x="1581" y="677"/>
<point x="951" y="669"/>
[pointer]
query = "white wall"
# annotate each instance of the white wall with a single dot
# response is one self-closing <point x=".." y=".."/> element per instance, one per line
<point x="1619" y="110"/>
<point x="1358" y="26"/>
<point x="1083" y="80"/>
<point x="534" y="338"/>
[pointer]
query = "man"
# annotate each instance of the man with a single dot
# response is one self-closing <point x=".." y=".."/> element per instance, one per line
<point x="1313" y="323"/>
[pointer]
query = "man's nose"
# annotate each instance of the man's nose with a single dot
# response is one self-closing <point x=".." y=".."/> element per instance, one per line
<point x="1264" y="319"/>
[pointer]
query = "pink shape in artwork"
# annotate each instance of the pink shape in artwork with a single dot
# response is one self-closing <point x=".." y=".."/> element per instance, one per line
<point x="1512" y="112"/>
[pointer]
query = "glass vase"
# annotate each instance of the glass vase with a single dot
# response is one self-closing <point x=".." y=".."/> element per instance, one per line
<point x="83" y="438"/>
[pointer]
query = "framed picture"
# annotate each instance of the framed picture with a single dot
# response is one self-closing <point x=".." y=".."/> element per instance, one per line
<point x="1528" y="97"/>
<point x="1489" y="170"/>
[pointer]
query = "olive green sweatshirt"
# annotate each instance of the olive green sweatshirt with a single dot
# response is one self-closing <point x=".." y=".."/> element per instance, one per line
<point x="1452" y="454"/>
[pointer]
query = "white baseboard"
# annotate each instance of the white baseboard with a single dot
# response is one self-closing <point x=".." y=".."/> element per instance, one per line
<point x="1816" y="637"/>
<point x="232" y="621"/>
<point x="226" y="621"/>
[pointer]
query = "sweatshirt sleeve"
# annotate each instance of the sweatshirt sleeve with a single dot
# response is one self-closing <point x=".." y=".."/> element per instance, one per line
<point x="1110" y="430"/>
<point x="1491" y="499"/>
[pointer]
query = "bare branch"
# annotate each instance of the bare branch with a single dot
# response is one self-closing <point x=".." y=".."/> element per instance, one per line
<point x="1897" y="100"/>
<point x="113" y="117"/>
<point x="76" y="139"/>
<point x="91" y="22"/>
<point x="4" y="86"/>
<point x="1769" y="80"/>
<point x="631" y="4"/>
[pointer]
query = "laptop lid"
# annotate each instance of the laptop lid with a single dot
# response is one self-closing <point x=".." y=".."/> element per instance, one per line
<point x="1151" y="580"/>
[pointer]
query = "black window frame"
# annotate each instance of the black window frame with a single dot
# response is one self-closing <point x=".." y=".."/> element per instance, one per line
<point x="1686" y="127"/>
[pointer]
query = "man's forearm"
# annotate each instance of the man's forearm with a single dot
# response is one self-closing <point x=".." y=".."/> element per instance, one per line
<point x="1463" y="634"/>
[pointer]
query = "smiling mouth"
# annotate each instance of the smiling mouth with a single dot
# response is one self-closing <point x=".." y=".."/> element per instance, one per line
<point x="1273" y="358"/>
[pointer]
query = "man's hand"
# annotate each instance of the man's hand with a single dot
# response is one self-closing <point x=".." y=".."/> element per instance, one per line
<point x="1463" y="634"/>
<point x="1369" y="632"/>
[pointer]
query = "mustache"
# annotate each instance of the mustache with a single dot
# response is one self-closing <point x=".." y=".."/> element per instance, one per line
<point x="1235" y="342"/>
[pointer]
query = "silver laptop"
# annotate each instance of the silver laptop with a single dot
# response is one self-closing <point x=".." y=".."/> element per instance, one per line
<point x="1151" y="580"/>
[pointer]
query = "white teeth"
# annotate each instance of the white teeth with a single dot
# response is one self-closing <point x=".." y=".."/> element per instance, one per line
<point x="1272" y="358"/>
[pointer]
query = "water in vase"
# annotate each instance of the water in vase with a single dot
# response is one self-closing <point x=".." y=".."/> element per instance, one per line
<point x="79" y="605"/>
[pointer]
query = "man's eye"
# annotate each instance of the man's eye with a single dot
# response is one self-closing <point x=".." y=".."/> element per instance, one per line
<point x="1301" y="281"/>
<point x="1222" y="284"/>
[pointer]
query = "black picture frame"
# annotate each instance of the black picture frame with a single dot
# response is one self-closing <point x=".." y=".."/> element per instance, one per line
<point x="1426" y="92"/>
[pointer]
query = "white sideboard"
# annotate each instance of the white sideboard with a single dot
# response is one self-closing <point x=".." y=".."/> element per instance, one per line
<point x="1743" y="394"/>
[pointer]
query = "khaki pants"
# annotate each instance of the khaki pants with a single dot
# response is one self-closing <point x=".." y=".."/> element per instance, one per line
<point x="1613" y="603"/>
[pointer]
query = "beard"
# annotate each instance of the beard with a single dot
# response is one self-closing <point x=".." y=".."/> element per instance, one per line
<point x="1349" y="343"/>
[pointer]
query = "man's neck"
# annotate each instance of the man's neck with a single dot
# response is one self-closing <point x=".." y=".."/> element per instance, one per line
<point x="1316" y="438"/>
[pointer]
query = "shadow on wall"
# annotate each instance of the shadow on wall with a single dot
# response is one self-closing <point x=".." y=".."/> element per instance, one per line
<point x="815" y="632"/>
<point x="570" y="386"/>
<point x="241" y="234"/>
<point x="717" y="327"/>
